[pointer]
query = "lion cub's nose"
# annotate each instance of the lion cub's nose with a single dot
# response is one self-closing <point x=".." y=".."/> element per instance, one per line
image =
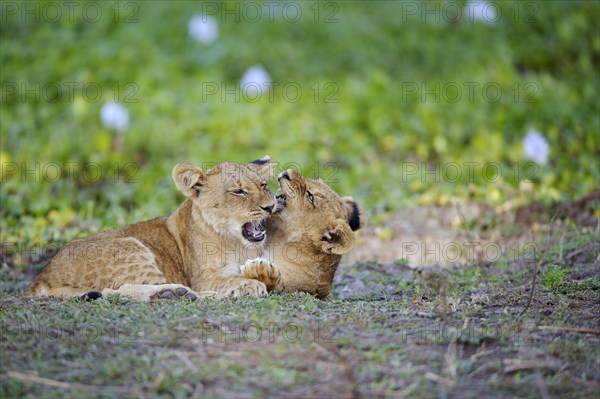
<point x="284" y="175"/>
<point x="268" y="209"/>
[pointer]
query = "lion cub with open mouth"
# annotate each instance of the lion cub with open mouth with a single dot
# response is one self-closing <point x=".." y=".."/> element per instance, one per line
<point x="311" y="230"/>
<point x="201" y="246"/>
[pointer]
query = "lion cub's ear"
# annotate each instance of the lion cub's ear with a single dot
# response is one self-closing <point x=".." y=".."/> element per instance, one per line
<point x="337" y="239"/>
<point x="263" y="166"/>
<point x="356" y="216"/>
<point x="188" y="179"/>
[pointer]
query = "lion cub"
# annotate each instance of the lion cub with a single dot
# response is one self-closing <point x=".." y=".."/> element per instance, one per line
<point x="201" y="245"/>
<point x="309" y="235"/>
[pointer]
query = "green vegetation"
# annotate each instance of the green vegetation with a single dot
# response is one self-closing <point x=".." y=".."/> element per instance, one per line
<point x="553" y="276"/>
<point x="377" y="61"/>
<point x="398" y="108"/>
<point x="385" y="330"/>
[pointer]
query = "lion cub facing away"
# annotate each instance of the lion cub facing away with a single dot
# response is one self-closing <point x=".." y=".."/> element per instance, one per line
<point x="310" y="234"/>
<point x="201" y="245"/>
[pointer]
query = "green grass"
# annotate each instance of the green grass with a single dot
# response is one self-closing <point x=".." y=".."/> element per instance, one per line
<point x="386" y="330"/>
<point x="366" y="144"/>
<point x="434" y="332"/>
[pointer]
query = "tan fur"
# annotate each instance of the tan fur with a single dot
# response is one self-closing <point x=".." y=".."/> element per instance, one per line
<point x="200" y="245"/>
<point x="307" y="239"/>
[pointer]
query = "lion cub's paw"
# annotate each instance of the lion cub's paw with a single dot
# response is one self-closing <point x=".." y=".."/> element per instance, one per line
<point x="175" y="293"/>
<point x="91" y="296"/>
<point x="262" y="270"/>
<point x="149" y="292"/>
<point x="247" y="287"/>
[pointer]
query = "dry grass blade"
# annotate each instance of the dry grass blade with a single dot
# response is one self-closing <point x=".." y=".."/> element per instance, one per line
<point x="472" y="237"/>
<point x="580" y="250"/>
<point x="34" y="379"/>
<point x="525" y="365"/>
<point x="183" y="357"/>
<point x="406" y="392"/>
<point x="26" y="377"/>
<point x="570" y="329"/>
<point x="541" y="385"/>
<point x="436" y="378"/>
<point x="535" y="268"/>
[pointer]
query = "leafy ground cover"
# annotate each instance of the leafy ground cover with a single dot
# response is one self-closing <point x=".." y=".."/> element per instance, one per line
<point x="387" y="330"/>
<point x="385" y="114"/>
<point x="376" y="139"/>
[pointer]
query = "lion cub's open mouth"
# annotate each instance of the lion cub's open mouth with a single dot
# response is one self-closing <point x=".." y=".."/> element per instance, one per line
<point x="254" y="231"/>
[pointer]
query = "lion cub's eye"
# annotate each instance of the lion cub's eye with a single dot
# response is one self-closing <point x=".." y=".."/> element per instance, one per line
<point x="311" y="197"/>
<point x="266" y="188"/>
<point x="238" y="191"/>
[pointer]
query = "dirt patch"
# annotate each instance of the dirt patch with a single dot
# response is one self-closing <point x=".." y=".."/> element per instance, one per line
<point x="470" y="233"/>
<point x="389" y="329"/>
<point x="583" y="212"/>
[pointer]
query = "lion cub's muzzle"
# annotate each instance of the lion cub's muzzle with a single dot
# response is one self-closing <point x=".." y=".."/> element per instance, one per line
<point x="284" y="175"/>
<point x="290" y="185"/>
<point x="254" y="231"/>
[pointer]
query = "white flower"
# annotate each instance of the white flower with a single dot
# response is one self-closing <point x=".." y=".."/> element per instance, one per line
<point x="535" y="147"/>
<point x="255" y="80"/>
<point x="114" y="116"/>
<point x="480" y="10"/>
<point x="203" y="28"/>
